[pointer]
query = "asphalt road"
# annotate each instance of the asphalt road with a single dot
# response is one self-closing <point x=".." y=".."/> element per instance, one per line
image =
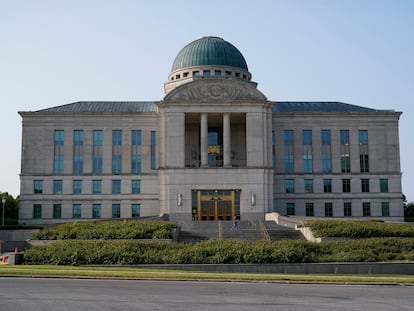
<point x="18" y="294"/>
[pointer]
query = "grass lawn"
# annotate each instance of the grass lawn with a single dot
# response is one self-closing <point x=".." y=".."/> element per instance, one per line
<point x="151" y="274"/>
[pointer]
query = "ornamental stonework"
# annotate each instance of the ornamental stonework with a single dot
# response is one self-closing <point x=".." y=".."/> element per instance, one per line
<point x="205" y="90"/>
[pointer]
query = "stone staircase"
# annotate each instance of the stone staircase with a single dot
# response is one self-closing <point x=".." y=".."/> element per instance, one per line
<point x="210" y="230"/>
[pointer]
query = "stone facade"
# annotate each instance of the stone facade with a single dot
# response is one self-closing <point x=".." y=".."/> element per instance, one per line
<point x="213" y="148"/>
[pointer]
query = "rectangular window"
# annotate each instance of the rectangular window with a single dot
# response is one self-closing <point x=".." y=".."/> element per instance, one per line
<point x="77" y="186"/>
<point x="116" y="164"/>
<point x="326" y="163"/>
<point x="97" y="186"/>
<point x="136" y="152"/>
<point x="384" y="185"/>
<point x="363" y="137"/>
<point x="58" y="164"/>
<point x="76" y="211"/>
<point x="136" y="161"/>
<point x="345" y="151"/>
<point x="38" y="187"/>
<point x="116" y="186"/>
<point x="217" y="73"/>
<point x="327" y="185"/>
<point x="308" y="185"/>
<point x="78" y="152"/>
<point x="136" y="137"/>
<point x="288" y="151"/>
<point x="116" y="210"/>
<point x="57" y="211"/>
<point x="290" y="208"/>
<point x="344" y="137"/>
<point x="116" y="152"/>
<point x="59" y="140"/>
<point x="97" y="156"/>
<point x="364" y="185"/>
<point x="96" y="211"/>
<point x="153" y="150"/>
<point x="136" y="210"/>
<point x="136" y="186"/>
<point x="345" y="163"/>
<point x="206" y="73"/>
<point x="364" y="163"/>
<point x="363" y="151"/>
<point x="366" y="209"/>
<point x="328" y="209"/>
<point x="307" y="151"/>
<point x="57" y="187"/>
<point x="290" y="185"/>
<point x="326" y="151"/>
<point x="37" y="211"/>
<point x="309" y="209"/>
<point x="385" y="209"/>
<point x="346" y="185"/>
<point x="347" y="209"/>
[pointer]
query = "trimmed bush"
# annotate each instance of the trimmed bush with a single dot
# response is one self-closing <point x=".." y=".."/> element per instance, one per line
<point x="108" y="230"/>
<point x="358" y="229"/>
<point x="94" y="252"/>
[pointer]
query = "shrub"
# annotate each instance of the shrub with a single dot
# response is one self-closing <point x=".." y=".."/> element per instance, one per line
<point x="108" y="230"/>
<point x="359" y="229"/>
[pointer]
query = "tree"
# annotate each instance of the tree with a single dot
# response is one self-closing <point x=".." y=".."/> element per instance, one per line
<point x="11" y="209"/>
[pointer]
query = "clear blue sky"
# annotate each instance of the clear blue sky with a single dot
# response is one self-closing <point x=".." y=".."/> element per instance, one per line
<point x="57" y="52"/>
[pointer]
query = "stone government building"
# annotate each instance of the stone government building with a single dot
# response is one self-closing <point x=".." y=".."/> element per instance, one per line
<point x="213" y="148"/>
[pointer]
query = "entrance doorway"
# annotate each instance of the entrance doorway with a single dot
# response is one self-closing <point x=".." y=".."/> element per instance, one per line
<point x="214" y="205"/>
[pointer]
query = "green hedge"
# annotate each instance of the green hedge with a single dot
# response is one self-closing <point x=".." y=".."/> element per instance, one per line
<point x="358" y="229"/>
<point x="108" y="230"/>
<point x="72" y="252"/>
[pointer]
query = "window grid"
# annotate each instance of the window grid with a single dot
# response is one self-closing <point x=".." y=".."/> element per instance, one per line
<point x="59" y="141"/>
<point x="347" y="209"/>
<point x="385" y="209"/>
<point x="309" y="209"/>
<point x="327" y="185"/>
<point x="290" y="208"/>
<point x="57" y="211"/>
<point x="346" y="185"/>
<point x="136" y="210"/>
<point x="364" y="185"/>
<point x="307" y="151"/>
<point x="97" y="153"/>
<point x="116" y="210"/>
<point x="328" y="209"/>
<point x="326" y="151"/>
<point x="96" y="211"/>
<point x="136" y="186"/>
<point x="153" y="150"/>
<point x="366" y="209"/>
<point x="38" y="187"/>
<point x="308" y="185"/>
<point x="57" y="187"/>
<point x="384" y="185"/>
<point x="288" y="151"/>
<point x="76" y="211"/>
<point x="37" y="211"/>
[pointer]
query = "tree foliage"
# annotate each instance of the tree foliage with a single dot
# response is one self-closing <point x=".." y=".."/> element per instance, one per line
<point x="11" y="212"/>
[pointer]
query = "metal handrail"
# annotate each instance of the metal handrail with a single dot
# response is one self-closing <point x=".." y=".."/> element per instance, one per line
<point x="252" y="223"/>
<point x="266" y="235"/>
<point x="220" y="230"/>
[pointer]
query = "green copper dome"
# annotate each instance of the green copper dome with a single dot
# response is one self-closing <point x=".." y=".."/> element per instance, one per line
<point x="208" y="51"/>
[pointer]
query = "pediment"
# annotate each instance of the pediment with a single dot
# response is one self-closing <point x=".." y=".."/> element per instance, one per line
<point x="213" y="90"/>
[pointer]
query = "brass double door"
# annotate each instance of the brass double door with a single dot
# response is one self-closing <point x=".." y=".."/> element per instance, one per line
<point x="216" y="205"/>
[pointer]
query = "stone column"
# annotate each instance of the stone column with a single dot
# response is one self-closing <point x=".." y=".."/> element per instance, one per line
<point x="226" y="140"/>
<point x="203" y="140"/>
